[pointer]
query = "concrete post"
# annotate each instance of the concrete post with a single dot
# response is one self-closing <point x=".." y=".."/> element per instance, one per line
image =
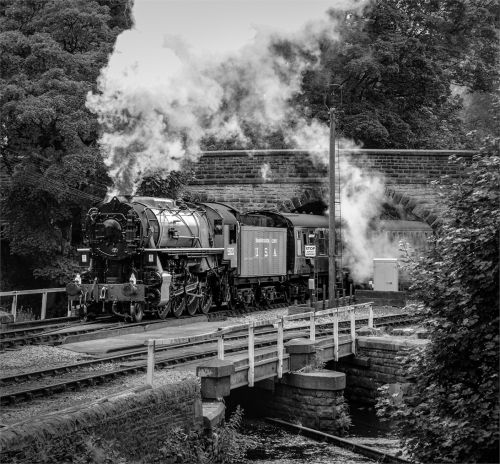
<point x="353" y="332"/>
<point x="302" y="352"/>
<point x="280" y="348"/>
<point x="215" y="378"/>
<point x="336" y="337"/>
<point x="251" y="354"/>
<point x="151" y="363"/>
<point x="370" y="317"/>
<point x="44" y="306"/>
<point x="312" y="327"/>
<point x="14" y="307"/>
<point x="220" y="347"/>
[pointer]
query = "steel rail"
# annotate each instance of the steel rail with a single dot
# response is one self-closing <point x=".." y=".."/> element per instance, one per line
<point x="372" y="453"/>
<point x="9" y="326"/>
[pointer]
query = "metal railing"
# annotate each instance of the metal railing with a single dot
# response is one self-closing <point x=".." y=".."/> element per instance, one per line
<point x="44" y="291"/>
<point x="278" y="323"/>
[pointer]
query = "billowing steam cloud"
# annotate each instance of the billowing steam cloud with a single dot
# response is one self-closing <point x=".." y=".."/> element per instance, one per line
<point x="361" y="199"/>
<point x="191" y="70"/>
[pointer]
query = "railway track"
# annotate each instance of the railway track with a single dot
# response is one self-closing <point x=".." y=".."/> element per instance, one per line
<point x="35" y="384"/>
<point x="367" y="451"/>
<point x="49" y="331"/>
<point x="5" y="327"/>
<point x="49" y="334"/>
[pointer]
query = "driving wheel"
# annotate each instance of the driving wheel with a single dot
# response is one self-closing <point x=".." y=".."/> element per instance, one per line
<point x="178" y="305"/>
<point x="192" y="304"/>
<point x="164" y="310"/>
<point x="206" y="301"/>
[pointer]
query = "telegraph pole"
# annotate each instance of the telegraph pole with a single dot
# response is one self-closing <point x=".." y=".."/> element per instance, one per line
<point x="332" y="281"/>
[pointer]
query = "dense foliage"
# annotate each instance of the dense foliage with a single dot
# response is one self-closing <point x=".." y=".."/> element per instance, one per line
<point x="52" y="52"/>
<point x="173" y="185"/>
<point x="452" y="411"/>
<point x="395" y="67"/>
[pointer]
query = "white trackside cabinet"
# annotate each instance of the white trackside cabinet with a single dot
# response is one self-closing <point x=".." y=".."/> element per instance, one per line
<point x="385" y="274"/>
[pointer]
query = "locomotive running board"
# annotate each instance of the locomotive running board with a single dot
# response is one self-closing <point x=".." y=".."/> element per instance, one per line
<point x="186" y="251"/>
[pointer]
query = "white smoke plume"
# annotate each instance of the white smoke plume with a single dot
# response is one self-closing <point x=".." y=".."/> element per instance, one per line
<point x="192" y="69"/>
<point x="265" y="171"/>
<point x="361" y="199"/>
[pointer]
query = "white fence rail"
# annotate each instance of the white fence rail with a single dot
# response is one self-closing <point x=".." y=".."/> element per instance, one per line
<point x="278" y="323"/>
<point x="44" y="291"/>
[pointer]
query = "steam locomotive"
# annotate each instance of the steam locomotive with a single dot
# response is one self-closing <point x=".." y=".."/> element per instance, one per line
<point x="161" y="256"/>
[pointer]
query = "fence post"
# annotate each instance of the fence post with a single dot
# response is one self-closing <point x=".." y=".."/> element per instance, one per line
<point x="14" y="306"/>
<point x="69" y="307"/>
<point x="370" y="317"/>
<point x="280" y="348"/>
<point x="44" y="306"/>
<point x="220" y="347"/>
<point x="312" y="327"/>
<point x="151" y="363"/>
<point x="251" y="354"/>
<point x="353" y="332"/>
<point x="336" y="337"/>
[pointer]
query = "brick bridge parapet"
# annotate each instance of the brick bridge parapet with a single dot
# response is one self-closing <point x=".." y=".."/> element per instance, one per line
<point x="287" y="179"/>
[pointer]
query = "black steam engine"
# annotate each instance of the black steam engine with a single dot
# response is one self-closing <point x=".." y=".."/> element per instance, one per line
<point x="160" y="256"/>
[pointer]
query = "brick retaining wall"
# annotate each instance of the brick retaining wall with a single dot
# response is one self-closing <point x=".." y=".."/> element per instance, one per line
<point x="137" y="423"/>
<point x="294" y="177"/>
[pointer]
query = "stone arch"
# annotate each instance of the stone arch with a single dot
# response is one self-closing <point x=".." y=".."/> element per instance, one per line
<point x="411" y="208"/>
<point x="308" y="196"/>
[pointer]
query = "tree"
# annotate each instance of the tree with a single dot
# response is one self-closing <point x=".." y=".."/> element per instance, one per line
<point x="397" y="62"/>
<point x="52" y="52"/>
<point x="451" y="413"/>
<point x="157" y="184"/>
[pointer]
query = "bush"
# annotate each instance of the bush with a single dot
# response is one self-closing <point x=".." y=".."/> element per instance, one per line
<point x="451" y="413"/>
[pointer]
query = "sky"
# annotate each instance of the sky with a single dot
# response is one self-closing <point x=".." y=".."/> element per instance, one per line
<point x="226" y="25"/>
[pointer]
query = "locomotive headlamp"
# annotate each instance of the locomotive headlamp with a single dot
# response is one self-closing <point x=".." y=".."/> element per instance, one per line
<point x="78" y="279"/>
<point x="84" y="257"/>
<point x="150" y="258"/>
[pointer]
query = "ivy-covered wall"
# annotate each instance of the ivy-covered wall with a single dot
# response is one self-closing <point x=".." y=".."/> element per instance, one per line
<point x="137" y="424"/>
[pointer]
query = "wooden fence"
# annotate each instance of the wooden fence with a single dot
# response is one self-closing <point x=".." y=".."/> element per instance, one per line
<point x="44" y="291"/>
<point x="278" y="323"/>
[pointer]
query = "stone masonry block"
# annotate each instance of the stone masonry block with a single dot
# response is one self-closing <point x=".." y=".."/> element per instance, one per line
<point x="213" y="414"/>
<point x="300" y="346"/>
<point x="214" y="388"/>
<point x="320" y="380"/>
<point x="215" y="368"/>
